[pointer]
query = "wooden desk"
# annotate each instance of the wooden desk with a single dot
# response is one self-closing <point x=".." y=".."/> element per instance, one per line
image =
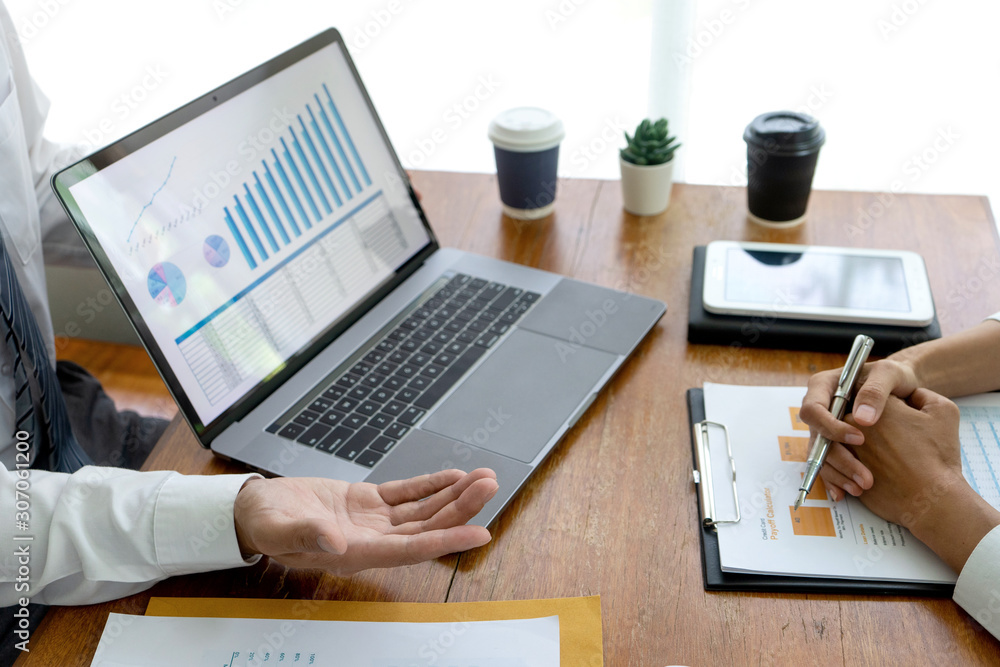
<point x="631" y="536"/>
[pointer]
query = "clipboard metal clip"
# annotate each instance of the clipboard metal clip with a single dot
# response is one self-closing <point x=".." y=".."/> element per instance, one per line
<point x="703" y="474"/>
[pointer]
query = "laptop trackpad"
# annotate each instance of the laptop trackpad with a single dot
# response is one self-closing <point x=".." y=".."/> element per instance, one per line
<point x="519" y="397"/>
<point x="422" y="453"/>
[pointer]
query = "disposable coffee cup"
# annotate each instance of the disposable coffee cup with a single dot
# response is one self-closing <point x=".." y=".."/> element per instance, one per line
<point x="782" y="150"/>
<point x="526" y="145"/>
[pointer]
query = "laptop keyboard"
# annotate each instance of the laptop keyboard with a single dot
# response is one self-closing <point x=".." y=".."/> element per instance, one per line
<point x="364" y="411"/>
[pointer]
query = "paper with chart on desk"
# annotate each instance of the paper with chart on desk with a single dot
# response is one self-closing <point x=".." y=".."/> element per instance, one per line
<point x="823" y="538"/>
<point x="245" y="642"/>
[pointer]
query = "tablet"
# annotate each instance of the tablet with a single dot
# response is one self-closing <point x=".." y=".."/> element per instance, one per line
<point x="817" y="283"/>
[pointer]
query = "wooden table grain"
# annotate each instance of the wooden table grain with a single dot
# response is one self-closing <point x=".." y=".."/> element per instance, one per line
<point x="612" y="511"/>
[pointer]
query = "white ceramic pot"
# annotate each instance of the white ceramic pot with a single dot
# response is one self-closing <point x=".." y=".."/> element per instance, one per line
<point x="645" y="188"/>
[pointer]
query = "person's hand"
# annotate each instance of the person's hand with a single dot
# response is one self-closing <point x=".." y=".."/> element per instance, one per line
<point x="344" y="528"/>
<point x="843" y="472"/>
<point x="914" y="454"/>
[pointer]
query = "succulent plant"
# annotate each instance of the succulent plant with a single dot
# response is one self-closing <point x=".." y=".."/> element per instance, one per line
<point x="651" y="144"/>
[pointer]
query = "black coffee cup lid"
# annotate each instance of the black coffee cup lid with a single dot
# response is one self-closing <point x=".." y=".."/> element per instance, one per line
<point x="787" y="133"/>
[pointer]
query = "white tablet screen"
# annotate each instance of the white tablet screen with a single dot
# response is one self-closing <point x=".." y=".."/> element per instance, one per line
<point x="813" y="279"/>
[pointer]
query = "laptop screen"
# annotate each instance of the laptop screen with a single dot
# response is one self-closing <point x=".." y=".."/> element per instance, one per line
<point x="245" y="233"/>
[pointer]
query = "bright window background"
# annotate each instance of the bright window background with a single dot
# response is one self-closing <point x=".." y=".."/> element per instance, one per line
<point x="437" y="70"/>
<point x="906" y="89"/>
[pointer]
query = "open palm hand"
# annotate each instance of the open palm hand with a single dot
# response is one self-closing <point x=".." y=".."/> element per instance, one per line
<point x="345" y="527"/>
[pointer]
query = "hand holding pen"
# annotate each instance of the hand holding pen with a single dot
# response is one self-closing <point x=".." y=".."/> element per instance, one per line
<point x="845" y="388"/>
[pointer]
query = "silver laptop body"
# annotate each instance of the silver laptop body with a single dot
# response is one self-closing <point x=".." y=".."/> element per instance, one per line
<point x="270" y="252"/>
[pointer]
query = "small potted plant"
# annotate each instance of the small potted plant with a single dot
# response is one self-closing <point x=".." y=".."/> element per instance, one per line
<point x="647" y="164"/>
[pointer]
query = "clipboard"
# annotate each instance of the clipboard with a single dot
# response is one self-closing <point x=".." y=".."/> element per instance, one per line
<point x="717" y="580"/>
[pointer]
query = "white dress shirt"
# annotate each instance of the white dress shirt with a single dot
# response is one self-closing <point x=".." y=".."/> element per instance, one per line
<point x="101" y="533"/>
<point x="978" y="587"/>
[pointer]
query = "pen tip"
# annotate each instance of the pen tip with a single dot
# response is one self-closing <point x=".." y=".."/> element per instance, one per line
<point x="798" y="501"/>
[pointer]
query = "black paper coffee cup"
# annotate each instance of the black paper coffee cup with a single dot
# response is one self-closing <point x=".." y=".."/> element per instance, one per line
<point x="526" y="146"/>
<point x="782" y="150"/>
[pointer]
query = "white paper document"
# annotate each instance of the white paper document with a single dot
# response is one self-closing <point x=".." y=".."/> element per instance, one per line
<point x="823" y="538"/>
<point x="139" y="641"/>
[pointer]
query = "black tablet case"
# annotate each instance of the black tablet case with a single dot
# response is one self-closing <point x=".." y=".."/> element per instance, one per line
<point x="742" y="331"/>
<point x="717" y="580"/>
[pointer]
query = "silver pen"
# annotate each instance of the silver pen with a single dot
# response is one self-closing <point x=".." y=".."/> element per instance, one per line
<point x="845" y="387"/>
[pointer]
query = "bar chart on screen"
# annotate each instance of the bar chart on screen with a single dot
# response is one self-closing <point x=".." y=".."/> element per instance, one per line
<point x="309" y="169"/>
<point x="306" y="222"/>
<point x="314" y="171"/>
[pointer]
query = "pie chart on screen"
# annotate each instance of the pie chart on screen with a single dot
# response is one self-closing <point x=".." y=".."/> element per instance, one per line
<point x="166" y="284"/>
<point x="216" y="251"/>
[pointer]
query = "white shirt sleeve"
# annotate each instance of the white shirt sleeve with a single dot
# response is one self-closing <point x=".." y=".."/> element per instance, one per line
<point x="978" y="587"/>
<point x="104" y="533"/>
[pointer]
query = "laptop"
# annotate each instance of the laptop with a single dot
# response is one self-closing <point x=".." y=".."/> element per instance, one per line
<point x="269" y="250"/>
